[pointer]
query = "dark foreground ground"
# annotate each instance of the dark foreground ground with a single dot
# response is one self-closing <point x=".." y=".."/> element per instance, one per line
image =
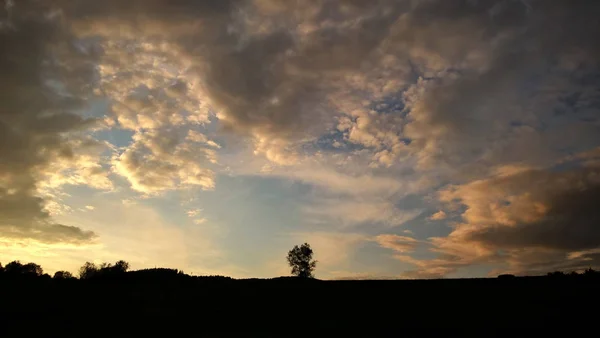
<point x="209" y="307"/>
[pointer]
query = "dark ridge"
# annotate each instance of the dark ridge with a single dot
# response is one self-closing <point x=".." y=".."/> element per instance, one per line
<point x="145" y="302"/>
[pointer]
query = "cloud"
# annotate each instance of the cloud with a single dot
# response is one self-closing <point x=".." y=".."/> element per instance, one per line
<point x="331" y="249"/>
<point x="284" y="76"/>
<point x="86" y="165"/>
<point x="44" y="87"/>
<point x="23" y="216"/>
<point x="381" y="133"/>
<point x="438" y="216"/>
<point x="532" y="220"/>
<point x="152" y="89"/>
<point x="534" y="209"/>
<point x="401" y="244"/>
<point x="355" y="212"/>
<point x="465" y="116"/>
<point x="194" y="212"/>
<point x="135" y="233"/>
<point x="196" y="136"/>
<point x="267" y="77"/>
<point x="160" y="160"/>
<point x="365" y="102"/>
<point x="199" y="221"/>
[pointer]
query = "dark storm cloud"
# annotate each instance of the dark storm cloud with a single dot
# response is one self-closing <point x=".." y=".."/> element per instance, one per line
<point x="263" y="71"/>
<point x="570" y="220"/>
<point x="33" y="120"/>
<point x="275" y="81"/>
<point x="22" y="217"/>
<point x="165" y="9"/>
<point x="534" y="220"/>
<point x="562" y="263"/>
<point x="278" y="81"/>
<point x="529" y="54"/>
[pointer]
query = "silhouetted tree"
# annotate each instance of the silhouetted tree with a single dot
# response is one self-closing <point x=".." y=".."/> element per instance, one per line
<point x="91" y="270"/>
<point x="63" y="275"/>
<point x="33" y="269"/>
<point x="121" y="266"/>
<point x="556" y="274"/>
<point x="1" y="268"/>
<point x="88" y="270"/>
<point x="590" y="272"/>
<point x="301" y="262"/>
<point x="15" y="268"/>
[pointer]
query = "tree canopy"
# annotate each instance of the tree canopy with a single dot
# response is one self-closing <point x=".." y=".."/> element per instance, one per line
<point x="301" y="262"/>
<point x="63" y="275"/>
<point x="15" y="268"/>
<point x="90" y="270"/>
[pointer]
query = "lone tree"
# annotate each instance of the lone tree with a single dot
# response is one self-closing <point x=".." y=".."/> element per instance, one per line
<point x="300" y="259"/>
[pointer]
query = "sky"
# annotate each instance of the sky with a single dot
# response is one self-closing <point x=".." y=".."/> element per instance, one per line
<point x="401" y="139"/>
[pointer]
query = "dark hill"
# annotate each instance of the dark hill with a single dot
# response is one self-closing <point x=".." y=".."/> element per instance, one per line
<point x="150" y="300"/>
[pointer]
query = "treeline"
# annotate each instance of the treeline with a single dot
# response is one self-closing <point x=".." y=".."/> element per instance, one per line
<point x="91" y="271"/>
<point x="560" y="275"/>
<point x="120" y="270"/>
<point x="589" y="273"/>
